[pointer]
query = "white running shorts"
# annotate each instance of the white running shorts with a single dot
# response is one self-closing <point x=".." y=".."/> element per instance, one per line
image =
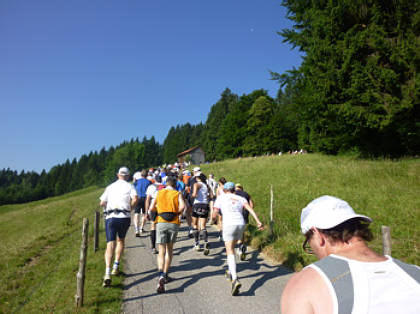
<point x="233" y="232"/>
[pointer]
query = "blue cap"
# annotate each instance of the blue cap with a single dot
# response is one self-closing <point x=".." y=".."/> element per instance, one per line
<point x="229" y="185"/>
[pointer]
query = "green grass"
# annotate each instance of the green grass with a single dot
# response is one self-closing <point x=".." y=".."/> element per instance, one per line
<point x="40" y="257"/>
<point x="385" y="190"/>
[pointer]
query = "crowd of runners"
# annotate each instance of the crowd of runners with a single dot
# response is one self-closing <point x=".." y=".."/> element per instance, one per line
<point x="348" y="278"/>
<point x="167" y="197"/>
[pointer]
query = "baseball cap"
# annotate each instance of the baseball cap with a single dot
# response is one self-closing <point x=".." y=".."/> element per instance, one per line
<point x="137" y="175"/>
<point x="238" y="185"/>
<point x="124" y="171"/>
<point x="197" y="169"/>
<point x="326" y="212"/>
<point x="229" y="185"/>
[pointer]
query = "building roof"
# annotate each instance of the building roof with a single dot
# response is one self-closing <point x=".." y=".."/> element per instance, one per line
<point x="188" y="151"/>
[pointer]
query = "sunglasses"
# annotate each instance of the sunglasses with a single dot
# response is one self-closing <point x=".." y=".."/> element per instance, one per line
<point x="305" y="246"/>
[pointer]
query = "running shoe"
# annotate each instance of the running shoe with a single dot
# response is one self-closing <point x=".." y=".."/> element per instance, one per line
<point x="190" y="233"/>
<point x="107" y="280"/>
<point x="243" y="253"/>
<point x="168" y="279"/>
<point x="115" y="271"/>
<point x="154" y="251"/>
<point x="197" y="247"/>
<point x="161" y="285"/>
<point x="236" y="285"/>
<point x="206" y="248"/>
<point x="141" y="231"/>
<point x="228" y="276"/>
<point x="137" y="235"/>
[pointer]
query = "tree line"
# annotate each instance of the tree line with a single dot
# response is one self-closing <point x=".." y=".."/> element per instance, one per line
<point x="356" y="91"/>
<point x="96" y="168"/>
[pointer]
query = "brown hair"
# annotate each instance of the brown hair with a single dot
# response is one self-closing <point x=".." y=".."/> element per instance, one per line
<point x="355" y="227"/>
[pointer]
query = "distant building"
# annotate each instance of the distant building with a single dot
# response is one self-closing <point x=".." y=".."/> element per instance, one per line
<point x="194" y="155"/>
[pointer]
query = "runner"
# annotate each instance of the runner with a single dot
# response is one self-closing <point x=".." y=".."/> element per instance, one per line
<point x="213" y="186"/>
<point x="118" y="198"/>
<point x="141" y="185"/>
<point x="189" y="201"/>
<point x="219" y="219"/>
<point x="239" y="190"/>
<point x="202" y="195"/>
<point x="151" y="193"/>
<point x="231" y="206"/>
<point x="168" y="204"/>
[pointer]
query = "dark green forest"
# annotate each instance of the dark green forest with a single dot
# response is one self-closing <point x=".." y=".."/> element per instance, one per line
<point x="356" y="91"/>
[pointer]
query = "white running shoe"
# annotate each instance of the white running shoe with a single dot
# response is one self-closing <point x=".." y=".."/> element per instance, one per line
<point x="107" y="280"/>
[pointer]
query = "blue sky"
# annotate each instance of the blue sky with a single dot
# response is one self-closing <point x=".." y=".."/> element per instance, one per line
<point x="76" y="76"/>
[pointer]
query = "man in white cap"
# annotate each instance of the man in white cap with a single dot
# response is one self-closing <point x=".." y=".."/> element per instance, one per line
<point x="118" y="198"/>
<point x="349" y="277"/>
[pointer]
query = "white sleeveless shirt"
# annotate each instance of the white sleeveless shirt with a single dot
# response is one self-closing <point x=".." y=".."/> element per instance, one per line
<point x="378" y="287"/>
<point x="202" y="195"/>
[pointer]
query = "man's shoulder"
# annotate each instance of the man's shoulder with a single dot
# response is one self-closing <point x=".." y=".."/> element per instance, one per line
<point x="305" y="279"/>
<point x="303" y="291"/>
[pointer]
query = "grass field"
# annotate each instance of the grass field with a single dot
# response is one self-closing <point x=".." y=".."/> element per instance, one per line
<point x="40" y="245"/>
<point x="40" y="241"/>
<point x="388" y="191"/>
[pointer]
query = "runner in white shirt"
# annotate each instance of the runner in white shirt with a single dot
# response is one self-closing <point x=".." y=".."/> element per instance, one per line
<point x="118" y="198"/>
<point x="231" y="206"/>
<point x="151" y="194"/>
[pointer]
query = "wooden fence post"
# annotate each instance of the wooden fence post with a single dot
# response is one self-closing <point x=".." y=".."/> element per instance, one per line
<point x="271" y="212"/>
<point x="82" y="264"/>
<point x="96" y="231"/>
<point x="386" y="240"/>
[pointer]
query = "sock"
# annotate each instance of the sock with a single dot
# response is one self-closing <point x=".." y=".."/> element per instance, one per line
<point x="232" y="266"/>
<point x="160" y="273"/>
<point x="116" y="264"/>
<point x="108" y="270"/>
<point x="164" y="275"/>
<point x="153" y="238"/>
<point x="195" y="232"/>
<point x="205" y="235"/>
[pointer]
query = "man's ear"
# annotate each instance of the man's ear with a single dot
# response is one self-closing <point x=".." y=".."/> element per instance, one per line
<point x="319" y="237"/>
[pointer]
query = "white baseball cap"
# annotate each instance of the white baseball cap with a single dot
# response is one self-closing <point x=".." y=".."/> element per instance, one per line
<point x="124" y="171"/>
<point x="197" y="169"/>
<point x="137" y="175"/>
<point x="326" y="212"/>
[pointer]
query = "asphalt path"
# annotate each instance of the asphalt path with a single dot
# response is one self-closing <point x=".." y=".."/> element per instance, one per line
<point x="199" y="284"/>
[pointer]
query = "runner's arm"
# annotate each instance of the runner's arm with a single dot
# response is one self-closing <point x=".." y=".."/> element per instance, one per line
<point x="134" y="201"/>
<point x="215" y="212"/>
<point x="153" y="205"/>
<point x="251" y="203"/>
<point x="195" y="189"/>
<point x="252" y="212"/>
<point x="181" y="204"/>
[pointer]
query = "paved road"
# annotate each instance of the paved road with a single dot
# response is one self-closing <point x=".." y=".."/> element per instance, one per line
<point x="199" y="285"/>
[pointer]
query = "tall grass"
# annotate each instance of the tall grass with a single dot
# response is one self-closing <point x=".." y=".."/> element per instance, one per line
<point x="385" y="190"/>
<point x="40" y="245"/>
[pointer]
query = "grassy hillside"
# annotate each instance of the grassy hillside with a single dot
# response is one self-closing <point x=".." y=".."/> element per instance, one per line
<point x="385" y="190"/>
<point x="40" y="255"/>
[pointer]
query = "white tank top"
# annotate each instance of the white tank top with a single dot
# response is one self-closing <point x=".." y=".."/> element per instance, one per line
<point x="202" y="194"/>
<point x="377" y="287"/>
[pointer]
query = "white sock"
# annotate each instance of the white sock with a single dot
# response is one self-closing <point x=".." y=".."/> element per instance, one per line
<point x="232" y="266"/>
<point x="108" y="270"/>
<point x="116" y="264"/>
